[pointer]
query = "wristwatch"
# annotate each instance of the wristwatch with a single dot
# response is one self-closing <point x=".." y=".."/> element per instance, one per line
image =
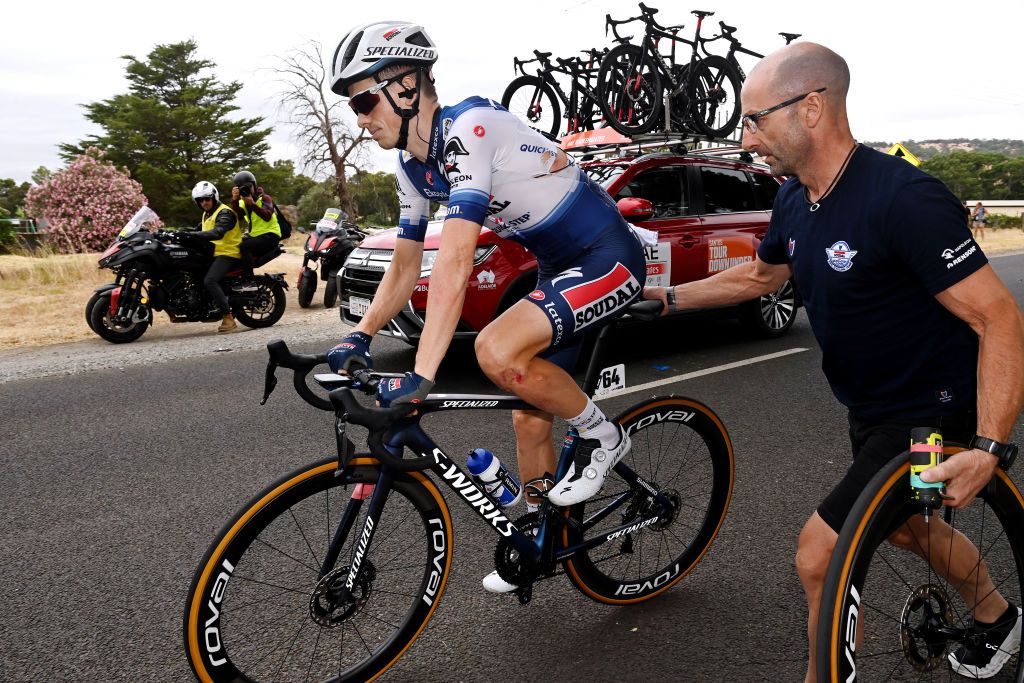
<point x="1006" y="452"/>
<point x="670" y="296"/>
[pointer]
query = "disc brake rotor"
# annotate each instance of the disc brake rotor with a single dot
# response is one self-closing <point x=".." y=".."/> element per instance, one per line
<point x="925" y="617"/>
<point x="331" y="605"/>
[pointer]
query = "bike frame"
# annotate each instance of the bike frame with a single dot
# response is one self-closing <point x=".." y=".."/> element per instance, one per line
<point x="407" y="433"/>
<point x="579" y="84"/>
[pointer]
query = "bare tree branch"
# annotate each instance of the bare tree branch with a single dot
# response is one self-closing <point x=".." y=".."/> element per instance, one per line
<point x="327" y="143"/>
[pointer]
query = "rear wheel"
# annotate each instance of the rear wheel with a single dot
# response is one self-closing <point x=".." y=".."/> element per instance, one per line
<point x="534" y="103"/>
<point x="889" y="610"/>
<point x="262" y="608"/>
<point x="104" y="325"/>
<point x="772" y="315"/>
<point x="264" y="308"/>
<point x="682" y="449"/>
<point x="715" y="99"/>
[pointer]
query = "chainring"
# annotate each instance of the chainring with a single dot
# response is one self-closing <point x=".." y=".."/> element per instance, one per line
<point x="507" y="561"/>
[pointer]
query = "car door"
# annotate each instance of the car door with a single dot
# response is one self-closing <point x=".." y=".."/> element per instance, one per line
<point x="731" y="216"/>
<point x="680" y="254"/>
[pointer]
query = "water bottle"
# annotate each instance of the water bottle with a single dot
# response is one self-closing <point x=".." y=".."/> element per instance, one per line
<point x="925" y="453"/>
<point x="497" y="480"/>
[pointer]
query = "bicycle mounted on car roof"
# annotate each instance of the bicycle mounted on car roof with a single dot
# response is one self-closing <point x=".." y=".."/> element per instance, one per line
<point x="293" y="559"/>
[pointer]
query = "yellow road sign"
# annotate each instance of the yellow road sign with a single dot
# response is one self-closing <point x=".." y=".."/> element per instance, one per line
<point x="899" y="150"/>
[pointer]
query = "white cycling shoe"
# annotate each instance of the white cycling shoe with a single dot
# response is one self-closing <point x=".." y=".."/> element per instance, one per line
<point x="588" y="471"/>
<point x="493" y="583"/>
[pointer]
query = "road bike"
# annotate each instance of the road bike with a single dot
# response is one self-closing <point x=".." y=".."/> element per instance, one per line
<point x="332" y="572"/>
<point x="735" y="46"/>
<point x="635" y="81"/>
<point x="537" y="98"/>
<point x="888" y="611"/>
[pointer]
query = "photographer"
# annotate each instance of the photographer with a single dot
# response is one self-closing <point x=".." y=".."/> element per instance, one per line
<point x="256" y="210"/>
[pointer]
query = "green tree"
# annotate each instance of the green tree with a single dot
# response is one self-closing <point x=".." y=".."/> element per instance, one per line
<point x="317" y="199"/>
<point x="172" y="128"/>
<point x="281" y="182"/>
<point x="12" y="196"/>
<point x="967" y="174"/>
<point x="374" y="198"/>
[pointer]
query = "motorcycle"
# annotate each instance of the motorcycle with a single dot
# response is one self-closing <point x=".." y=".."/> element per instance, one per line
<point x="162" y="270"/>
<point x="330" y="244"/>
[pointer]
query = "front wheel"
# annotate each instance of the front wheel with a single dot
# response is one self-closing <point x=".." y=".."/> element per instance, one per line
<point x="629" y="86"/>
<point x="307" y="287"/>
<point x="715" y="97"/>
<point x="88" y="309"/>
<point x="264" y="308"/>
<point x="681" y="448"/>
<point x="266" y="605"/>
<point x="899" y="591"/>
<point x="331" y="291"/>
<point x="534" y="103"/>
<point x="104" y="325"/>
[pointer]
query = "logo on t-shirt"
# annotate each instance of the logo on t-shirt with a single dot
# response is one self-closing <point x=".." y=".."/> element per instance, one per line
<point x="453" y="149"/>
<point x="792" y="247"/>
<point x="840" y="256"/>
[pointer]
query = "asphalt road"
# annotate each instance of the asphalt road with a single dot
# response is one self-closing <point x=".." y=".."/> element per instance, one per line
<point x="115" y="481"/>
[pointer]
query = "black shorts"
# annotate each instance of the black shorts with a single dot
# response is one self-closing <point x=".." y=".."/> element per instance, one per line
<point x="874" y="444"/>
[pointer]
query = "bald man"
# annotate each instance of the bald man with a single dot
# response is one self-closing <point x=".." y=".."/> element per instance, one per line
<point x="911" y="319"/>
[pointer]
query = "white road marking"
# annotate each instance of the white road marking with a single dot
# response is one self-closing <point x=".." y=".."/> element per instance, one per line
<point x="700" y="373"/>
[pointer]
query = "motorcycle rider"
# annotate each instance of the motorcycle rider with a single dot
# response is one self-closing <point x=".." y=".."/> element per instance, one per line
<point x="255" y="209"/>
<point x="220" y="226"/>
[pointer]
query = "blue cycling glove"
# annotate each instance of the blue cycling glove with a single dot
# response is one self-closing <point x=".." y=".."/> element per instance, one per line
<point x="411" y="388"/>
<point x="353" y="350"/>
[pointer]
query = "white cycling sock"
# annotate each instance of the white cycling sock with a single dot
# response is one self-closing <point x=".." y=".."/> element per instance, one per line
<point x="592" y="424"/>
<point x="532" y="507"/>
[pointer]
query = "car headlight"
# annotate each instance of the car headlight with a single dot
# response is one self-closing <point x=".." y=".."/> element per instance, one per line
<point x="480" y="254"/>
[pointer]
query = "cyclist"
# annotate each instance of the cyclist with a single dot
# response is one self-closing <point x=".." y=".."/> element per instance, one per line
<point x="491" y="169"/>
<point x="915" y="327"/>
<point x="219" y="226"/>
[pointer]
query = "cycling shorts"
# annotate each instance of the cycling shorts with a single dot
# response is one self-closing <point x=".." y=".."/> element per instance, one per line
<point x="874" y="444"/>
<point x="594" y="288"/>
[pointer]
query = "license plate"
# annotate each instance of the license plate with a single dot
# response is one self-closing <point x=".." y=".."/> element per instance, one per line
<point x="358" y="305"/>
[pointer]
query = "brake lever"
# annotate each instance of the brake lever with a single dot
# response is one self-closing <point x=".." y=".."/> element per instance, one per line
<point x="270" y="381"/>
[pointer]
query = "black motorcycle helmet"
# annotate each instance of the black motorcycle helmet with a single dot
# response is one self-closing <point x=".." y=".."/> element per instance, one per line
<point x="244" y="178"/>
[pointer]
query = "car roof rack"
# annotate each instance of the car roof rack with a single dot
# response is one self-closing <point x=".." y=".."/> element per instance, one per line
<point x="605" y="144"/>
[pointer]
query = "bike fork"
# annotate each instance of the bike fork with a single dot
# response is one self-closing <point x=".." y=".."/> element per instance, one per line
<point x="361" y="547"/>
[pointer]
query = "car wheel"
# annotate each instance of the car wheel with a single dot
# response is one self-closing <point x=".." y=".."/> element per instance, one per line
<point x="771" y="315"/>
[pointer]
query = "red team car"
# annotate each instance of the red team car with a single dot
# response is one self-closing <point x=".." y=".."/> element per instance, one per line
<point x="710" y="212"/>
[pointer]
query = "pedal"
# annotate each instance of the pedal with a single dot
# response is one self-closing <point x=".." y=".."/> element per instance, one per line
<point x="525" y="594"/>
<point x="540" y="486"/>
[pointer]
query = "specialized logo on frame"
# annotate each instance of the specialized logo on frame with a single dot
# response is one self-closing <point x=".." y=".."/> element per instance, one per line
<point x="840" y="256"/>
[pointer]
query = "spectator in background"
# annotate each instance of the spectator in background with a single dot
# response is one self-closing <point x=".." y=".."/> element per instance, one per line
<point x="255" y="209"/>
<point x="979" y="218"/>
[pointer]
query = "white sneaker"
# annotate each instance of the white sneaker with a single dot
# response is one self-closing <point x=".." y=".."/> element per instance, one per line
<point x="589" y="470"/>
<point x="495" y="584"/>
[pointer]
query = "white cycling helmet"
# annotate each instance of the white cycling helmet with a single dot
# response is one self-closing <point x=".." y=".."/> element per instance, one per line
<point x="204" y="189"/>
<point x="371" y="47"/>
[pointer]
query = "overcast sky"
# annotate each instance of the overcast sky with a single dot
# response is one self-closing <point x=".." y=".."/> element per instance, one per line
<point x="920" y="70"/>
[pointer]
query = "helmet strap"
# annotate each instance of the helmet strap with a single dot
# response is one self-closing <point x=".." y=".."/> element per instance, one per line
<point x="409" y="114"/>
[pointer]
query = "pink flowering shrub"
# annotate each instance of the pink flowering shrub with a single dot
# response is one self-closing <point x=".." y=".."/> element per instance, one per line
<point x="86" y="204"/>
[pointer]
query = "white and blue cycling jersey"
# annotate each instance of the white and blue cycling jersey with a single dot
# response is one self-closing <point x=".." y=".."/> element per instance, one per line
<point x="490" y="168"/>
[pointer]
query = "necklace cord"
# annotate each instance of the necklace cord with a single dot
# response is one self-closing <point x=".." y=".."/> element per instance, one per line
<point x="816" y="205"/>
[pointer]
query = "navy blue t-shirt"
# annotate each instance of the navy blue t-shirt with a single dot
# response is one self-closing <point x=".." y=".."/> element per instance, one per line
<point x="868" y="264"/>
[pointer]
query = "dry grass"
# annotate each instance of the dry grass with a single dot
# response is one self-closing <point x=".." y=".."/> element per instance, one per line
<point x="42" y="298"/>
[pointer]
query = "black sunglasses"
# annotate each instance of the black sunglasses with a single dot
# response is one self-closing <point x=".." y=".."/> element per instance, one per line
<point x="364" y="101"/>
<point x="750" y="120"/>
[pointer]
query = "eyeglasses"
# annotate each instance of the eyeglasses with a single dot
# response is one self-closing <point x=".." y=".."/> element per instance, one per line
<point x="206" y="199"/>
<point x="364" y="101"/>
<point x="749" y="121"/>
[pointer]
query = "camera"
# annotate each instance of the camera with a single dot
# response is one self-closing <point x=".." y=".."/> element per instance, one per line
<point x="245" y="190"/>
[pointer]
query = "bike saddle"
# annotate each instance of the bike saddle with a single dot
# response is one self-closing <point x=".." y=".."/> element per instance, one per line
<point x="649" y="11"/>
<point x="726" y="28"/>
<point x="790" y="37"/>
<point x="541" y="55"/>
<point x="702" y="13"/>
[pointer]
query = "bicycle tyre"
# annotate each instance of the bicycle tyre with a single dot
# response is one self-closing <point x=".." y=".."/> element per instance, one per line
<point x="866" y="575"/>
<point x="283" y="532"/>
<point x="715" y="106"/>
<point x="630" y="110"/>
<point x="534" y="103"/>
<point x="689" y="433"/>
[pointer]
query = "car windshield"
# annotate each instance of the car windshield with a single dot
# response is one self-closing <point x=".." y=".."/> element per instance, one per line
<point x="604" y="174"/>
